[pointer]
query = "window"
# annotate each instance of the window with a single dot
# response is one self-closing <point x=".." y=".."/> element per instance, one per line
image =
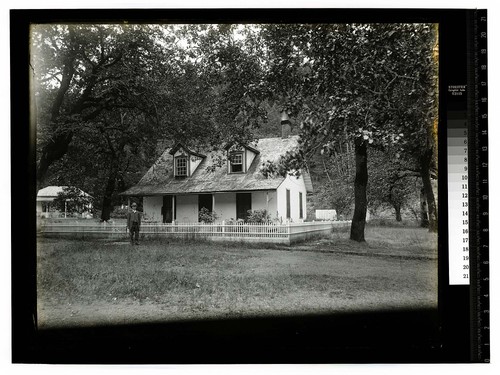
<point x="301" y="208"/>
<point x="236" y="159"/>
<point x="181" y="165"/>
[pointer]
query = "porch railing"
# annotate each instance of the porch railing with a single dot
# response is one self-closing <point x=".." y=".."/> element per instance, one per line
<point x="264" y="232"/>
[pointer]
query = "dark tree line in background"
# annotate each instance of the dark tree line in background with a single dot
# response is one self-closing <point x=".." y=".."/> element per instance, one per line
<point x="105" y="95"/>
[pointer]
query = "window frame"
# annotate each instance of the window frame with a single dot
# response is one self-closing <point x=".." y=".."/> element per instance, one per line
<point x="233" y="154"/>
<point x="177" y="159"/>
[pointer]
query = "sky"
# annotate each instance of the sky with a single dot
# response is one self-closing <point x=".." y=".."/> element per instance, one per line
<point x="5" y="189"/>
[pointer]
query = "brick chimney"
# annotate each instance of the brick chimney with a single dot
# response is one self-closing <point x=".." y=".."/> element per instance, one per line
<point x="286" y="125"/>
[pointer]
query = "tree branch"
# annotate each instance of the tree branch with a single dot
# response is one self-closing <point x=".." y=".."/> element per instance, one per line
<point x="326" y="170"/>
<point x="51" y="76"/>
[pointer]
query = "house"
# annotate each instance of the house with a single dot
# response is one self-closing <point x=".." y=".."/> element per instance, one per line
<point x="229" y="182"/>
<point x="46" y="196"/>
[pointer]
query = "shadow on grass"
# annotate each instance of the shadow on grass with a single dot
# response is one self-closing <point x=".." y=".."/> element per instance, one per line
<point x="396" y="336"/>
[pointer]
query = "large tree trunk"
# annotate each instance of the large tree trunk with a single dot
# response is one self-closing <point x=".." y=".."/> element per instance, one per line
<point x="429" y="194"/>
<point x="107" y="200"/>
<point x="360" y="201"/>
<point x="424" y="217"/>
<point x="397" y="209"/>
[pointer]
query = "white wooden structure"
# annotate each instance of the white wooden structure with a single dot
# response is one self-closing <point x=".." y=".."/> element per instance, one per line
<point x="229" y="183"/>
<point x="266" y="233"/>
<point x="326" y="215"/>
<point x="46" y="196"/>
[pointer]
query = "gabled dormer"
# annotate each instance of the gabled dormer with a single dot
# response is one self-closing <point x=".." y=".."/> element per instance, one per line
<point x="240" y="157"/>
<point x="185" y="161"/>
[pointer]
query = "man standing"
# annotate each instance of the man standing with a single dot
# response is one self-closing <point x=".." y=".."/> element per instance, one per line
<point x="134" y="224"/>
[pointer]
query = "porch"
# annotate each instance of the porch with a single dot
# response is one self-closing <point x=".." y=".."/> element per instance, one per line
<point x="184" y="208"/>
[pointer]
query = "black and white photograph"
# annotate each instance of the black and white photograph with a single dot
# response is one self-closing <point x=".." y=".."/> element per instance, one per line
<point x="243" y="189"/>
<point x="213" y="171"/>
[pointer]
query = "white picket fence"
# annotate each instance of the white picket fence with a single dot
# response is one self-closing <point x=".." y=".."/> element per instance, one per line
<point x="248" y="232"/>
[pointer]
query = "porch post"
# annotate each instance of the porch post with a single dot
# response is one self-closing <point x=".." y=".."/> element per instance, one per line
<point x="213" y="202"/>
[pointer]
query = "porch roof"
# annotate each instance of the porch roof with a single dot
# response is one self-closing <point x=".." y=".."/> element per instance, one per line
<point x="211" y="175"/>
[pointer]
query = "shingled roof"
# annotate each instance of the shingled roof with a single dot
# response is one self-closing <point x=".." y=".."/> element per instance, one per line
<point x="211" y="177"/>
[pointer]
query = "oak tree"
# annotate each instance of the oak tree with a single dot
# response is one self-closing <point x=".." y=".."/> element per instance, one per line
<point x="372" y="83"/>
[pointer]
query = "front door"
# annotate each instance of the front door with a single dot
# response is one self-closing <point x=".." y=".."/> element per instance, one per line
<point x="166" y="210"/>
<point x="243" y="205"/>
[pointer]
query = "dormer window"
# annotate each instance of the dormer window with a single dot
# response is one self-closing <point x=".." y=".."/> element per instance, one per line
<point x="236" y="162"/>
<point x="181" y="166"/>
<point x="240" y="157"/>
<point x="185" y="161"/>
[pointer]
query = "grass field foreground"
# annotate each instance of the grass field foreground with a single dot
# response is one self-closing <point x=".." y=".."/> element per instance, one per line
<point x="96" y="282"/>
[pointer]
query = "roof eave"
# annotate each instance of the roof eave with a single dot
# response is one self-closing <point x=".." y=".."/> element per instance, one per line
<point x="254" y="150"/>
<point x="180" y="145"/>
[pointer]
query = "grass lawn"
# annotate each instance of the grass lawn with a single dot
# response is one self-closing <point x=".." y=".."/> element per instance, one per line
<point x="103" y="282"/>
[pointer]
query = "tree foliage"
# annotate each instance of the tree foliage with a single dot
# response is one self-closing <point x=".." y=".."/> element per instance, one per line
<point x="333" y="179"/>
<point x="393" y="183"/>
<point x="110" y="92"/>
<point x="82" y="71"/>
<point x="230" y="64"/>
<point x="372" y="84"/>
<point x="71" y="200"/>
<point x="106" y="94"/>
<point x="95" y="96"/>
